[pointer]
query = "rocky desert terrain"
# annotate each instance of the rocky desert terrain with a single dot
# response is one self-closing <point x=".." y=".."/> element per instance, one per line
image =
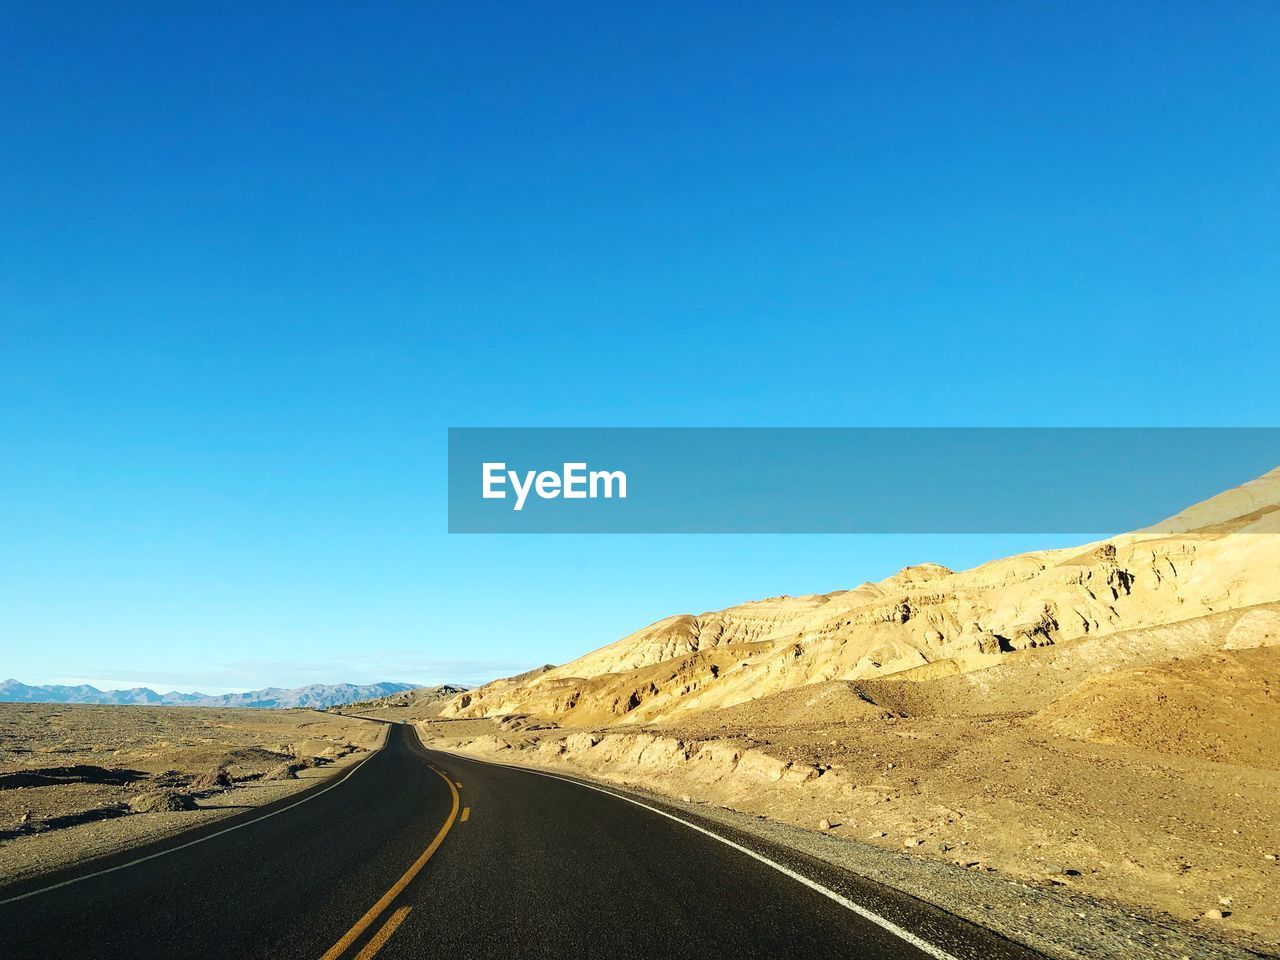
<point x="78" y="781"/>
<point x="404" y="706"/>
<point x="1098" y="727"/>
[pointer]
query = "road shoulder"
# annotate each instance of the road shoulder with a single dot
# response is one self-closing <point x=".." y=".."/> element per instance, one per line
<point x="1052" y="922"/>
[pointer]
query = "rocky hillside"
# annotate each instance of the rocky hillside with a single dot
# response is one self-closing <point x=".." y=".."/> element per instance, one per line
<point x="415" y="698"/>
<point x="924" y="622"/>
<point x="1097" y="727"/>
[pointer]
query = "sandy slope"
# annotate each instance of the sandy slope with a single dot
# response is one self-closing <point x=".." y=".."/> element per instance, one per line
<point x="922" y="616"/>
<point x="1103" y="719"/>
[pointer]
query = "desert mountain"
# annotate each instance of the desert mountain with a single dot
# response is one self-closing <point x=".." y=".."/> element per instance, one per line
<point x="924" y="622"/>
<point x="316" y="695"/>
<point x="1104" y="718"/>
<point x="414" y="699"/>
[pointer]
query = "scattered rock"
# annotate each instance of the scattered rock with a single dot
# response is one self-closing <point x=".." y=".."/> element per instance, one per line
<point x="162" y="801"/>
<point x="910" y="842"/>
<point x="285" y="771"/>
<point x="215" y="779"/>
<point x="824" y="824"/>
<point x="1214" y="914"/>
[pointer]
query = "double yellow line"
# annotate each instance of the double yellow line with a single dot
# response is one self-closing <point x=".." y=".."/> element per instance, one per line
<point x="374" y="912"/>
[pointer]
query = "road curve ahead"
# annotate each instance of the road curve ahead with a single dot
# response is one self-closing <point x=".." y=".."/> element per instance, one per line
<point x="420" y="854"/>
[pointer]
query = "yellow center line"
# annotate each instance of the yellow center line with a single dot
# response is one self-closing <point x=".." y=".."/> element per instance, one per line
<point x="384" y="934"/>
<point x="466" y="814"/>
<point x="377" y="909"/>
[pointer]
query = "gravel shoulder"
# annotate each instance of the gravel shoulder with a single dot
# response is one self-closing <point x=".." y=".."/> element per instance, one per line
<point x="1048" y="917"/>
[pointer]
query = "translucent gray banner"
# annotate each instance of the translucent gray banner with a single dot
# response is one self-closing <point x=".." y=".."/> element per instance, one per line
<point x="854" y="480"/>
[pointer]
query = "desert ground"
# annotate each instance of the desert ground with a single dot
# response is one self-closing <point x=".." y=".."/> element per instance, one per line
<point x="1098" y="725"/>
<point x="80" y="781"/>
<point x="1078" y="748"/>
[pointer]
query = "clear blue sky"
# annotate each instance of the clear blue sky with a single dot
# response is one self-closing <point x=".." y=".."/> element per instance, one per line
<point x="253" y="264"/>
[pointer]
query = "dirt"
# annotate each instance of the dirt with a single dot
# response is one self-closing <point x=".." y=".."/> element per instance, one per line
<point x="80" y="781"/>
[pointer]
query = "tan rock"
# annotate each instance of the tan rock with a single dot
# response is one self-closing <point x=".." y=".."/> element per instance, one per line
<point x="925" y="622"/>
<point x="1108" y="709"/>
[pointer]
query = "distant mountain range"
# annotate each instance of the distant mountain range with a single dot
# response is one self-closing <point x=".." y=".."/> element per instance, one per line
<point x="317" y="695"/>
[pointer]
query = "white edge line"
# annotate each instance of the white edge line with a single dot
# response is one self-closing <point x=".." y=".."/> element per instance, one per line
<point x="310" y="795"/>
<point x="936" y="952"/>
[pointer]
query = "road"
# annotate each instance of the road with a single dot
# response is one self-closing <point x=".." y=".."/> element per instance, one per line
<point x="420" y="854"/>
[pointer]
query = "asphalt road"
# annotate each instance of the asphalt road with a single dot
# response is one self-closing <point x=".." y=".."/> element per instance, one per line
<point x="419" y="854"/>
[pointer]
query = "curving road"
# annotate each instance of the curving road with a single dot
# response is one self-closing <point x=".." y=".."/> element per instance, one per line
<point x="420" y="854"/>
